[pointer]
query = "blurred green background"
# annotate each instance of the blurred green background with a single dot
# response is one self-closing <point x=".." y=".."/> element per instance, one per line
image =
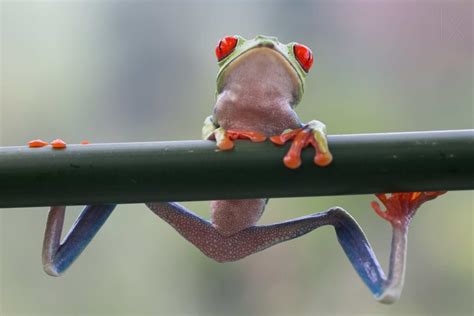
<point x="112" y="71"/>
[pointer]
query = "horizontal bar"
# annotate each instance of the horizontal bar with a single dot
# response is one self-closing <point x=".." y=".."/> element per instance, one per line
<point x="195" y="170"/>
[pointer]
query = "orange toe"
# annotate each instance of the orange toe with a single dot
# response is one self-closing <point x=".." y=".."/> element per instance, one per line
<point x="278" y="140"/>
<point x="302" y="137"/>
<point x="255" y="137"/>
<point x="283" y="138"/>
<point x="225" y="144"/>
<point x="323" y="160"/>
<point x="292" y="162"/>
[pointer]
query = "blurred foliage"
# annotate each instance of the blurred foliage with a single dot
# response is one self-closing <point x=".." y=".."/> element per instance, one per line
<point x="111" y="71"/>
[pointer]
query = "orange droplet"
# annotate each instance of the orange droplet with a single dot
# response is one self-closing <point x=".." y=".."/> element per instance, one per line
<point x="85" y="142"/>
<point x="37" y="143"/>
<point x="58" y="144"/>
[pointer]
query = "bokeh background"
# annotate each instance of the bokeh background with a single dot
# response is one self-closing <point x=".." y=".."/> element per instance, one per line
<point x="112" y="71"/>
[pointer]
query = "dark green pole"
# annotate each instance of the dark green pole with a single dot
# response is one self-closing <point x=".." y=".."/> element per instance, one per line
<point x="195" y="170"/>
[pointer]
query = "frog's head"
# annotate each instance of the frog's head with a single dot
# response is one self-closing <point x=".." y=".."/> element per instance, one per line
<point x="298" y="57"/>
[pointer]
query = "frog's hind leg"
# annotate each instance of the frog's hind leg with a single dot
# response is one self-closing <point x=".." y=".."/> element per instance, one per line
<point x="222" y="248"/>
<point x="57" y="255"/>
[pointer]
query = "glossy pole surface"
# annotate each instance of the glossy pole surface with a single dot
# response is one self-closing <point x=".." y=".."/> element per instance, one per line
<point x="195" y="170"/>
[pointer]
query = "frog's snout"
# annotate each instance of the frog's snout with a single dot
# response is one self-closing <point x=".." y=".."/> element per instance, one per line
<point x="266" y="41"/>
<point x="267" y="44"/>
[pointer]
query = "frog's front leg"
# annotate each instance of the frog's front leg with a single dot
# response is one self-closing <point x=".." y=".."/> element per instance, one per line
<point x="57" y="255"/>
<point x="314" y="134"/>
<point x="225" y="138"/>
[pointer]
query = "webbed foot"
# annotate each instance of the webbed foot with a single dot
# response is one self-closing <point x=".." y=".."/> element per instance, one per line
<point x="314" y="134"/>
<point x="401" y="207"/>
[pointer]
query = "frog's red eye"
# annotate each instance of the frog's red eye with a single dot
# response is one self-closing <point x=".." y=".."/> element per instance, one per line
<point x="304" y="56"/>
<point x="225" y="47"/>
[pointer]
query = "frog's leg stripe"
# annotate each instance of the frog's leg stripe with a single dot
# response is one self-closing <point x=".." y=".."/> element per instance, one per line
<point x="204" y="236"/>
<point x="57" y="255"/>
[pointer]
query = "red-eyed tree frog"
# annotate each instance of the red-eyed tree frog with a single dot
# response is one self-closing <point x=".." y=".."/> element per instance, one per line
<point x="259" y="83"/>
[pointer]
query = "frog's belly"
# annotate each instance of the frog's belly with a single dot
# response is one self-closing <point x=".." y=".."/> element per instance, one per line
<point x="268" y="117"/>
<point x="269" y="125"/>
<point x="231" y="216"/>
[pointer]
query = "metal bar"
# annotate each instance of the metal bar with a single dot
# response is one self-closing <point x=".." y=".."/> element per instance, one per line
<point x="195" y="170"/>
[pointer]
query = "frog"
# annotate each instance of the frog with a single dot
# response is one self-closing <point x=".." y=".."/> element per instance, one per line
<point x="259" y="83"/>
